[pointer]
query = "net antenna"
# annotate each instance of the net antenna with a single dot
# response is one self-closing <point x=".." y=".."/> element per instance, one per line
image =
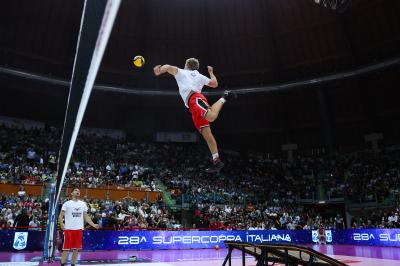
<point x="96" y="24"/>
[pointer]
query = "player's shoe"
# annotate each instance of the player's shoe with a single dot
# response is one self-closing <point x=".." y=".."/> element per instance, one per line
<point x="215" y="167"/>
<point x="229" y="95"/>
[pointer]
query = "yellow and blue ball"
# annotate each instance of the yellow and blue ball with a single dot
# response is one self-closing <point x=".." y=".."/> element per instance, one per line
<point x="138" y="61"/>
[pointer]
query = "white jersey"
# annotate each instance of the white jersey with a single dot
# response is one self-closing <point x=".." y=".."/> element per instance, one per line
<point x="74" y="214"/>
<point x="190" y="81"/>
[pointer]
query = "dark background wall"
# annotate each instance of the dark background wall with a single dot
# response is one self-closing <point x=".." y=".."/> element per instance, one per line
<point x="249" y="42"/>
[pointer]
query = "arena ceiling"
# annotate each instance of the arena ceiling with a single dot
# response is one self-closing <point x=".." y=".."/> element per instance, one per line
<point x="249" y="42"/>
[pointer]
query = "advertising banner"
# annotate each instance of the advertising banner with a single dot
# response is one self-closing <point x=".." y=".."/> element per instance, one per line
<point x="122" y="240"/>
<point x="30" y="240"/>
<point x="367" y="237"/>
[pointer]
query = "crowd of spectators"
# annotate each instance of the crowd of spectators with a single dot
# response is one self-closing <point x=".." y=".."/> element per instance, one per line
<point x="377" y="219"/>
<point x="22" y="211"/>
<point x="25" y="211"/>
<point x="363" y="176"/>
<point x="129" y="214"/>
<point x="271" y="216"/>
<point x="29" y="156"/>
<point x="247" y="178"/>
<point x="372" y="176"/>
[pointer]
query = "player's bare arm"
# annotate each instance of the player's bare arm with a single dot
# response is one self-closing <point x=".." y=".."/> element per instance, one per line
<point x="61" y="219"/>
<point x="213" y="79"/>
<point x="161" y="69"/>
<point x="89" y="220"/>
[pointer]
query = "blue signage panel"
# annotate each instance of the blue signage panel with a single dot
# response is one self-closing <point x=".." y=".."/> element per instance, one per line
<point x="12" y="240"/>
<point x="367" y="237"/>
<point x="114" y="240"/>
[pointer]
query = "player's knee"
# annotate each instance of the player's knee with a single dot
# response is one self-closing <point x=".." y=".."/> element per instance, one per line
<point x="211" y="116"/>
<point x="205" y="133"/>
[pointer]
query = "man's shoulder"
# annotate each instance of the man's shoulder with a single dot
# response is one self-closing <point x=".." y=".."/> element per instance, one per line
<point x="68" y="202"/>
<point x="188" y="72"/>
<point x="81" y="202"/>
<point x="181" y="72"/>
<point x="84" y="204"/>
<point x="74" y="203"/>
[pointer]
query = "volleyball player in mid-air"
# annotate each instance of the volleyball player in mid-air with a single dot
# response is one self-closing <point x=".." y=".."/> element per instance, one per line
<point x="190" y="83"/>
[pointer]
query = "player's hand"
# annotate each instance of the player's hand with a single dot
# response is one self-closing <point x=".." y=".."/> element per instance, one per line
<point x="96" y="226"/>
<point x="210" y="69"/>
<point x="157" y="70"/>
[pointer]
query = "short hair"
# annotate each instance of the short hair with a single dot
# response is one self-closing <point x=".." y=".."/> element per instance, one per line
<point x="192" y="63"/>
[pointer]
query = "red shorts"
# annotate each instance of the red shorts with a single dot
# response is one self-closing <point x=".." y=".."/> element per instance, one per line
<point x="198" y="107"/>
<point x="72" y="239"/>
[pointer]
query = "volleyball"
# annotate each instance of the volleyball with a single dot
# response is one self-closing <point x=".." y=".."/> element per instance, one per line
<point x="216" y="247"/>
<point x="138" y="61"/>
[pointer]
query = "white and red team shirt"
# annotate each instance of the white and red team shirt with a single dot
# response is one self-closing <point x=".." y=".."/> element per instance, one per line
<point x="190" y="81"/>
<point x="73" y="213"/>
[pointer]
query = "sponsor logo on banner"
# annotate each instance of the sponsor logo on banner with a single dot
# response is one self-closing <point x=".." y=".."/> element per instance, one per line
<point x="328" y="236"/>
<point x="20" y="240"/>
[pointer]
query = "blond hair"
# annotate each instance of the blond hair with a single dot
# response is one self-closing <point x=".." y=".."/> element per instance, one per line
<point x="192" y="63"/>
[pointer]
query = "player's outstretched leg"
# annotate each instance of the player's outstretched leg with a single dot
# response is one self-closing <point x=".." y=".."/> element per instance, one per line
<point x="211" y="116"/>
<point x="214" y="110"/>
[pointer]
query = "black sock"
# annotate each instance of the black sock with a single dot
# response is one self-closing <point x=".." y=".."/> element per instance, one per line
<point x="62" y="264"/>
